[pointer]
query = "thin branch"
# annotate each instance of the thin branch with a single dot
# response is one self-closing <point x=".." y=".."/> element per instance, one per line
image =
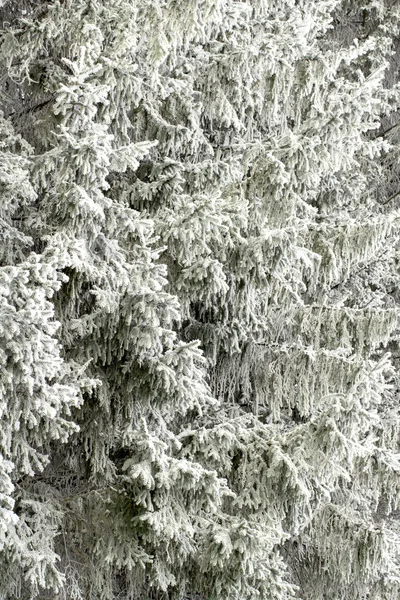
<point x="391" y="198"/>
<point x="34" y="108"/>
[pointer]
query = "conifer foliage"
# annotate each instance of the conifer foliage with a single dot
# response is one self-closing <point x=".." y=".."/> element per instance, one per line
<point x="198" y="322"/>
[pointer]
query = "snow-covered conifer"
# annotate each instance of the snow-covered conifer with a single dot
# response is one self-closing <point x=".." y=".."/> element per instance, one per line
<point x="203" y="195"/>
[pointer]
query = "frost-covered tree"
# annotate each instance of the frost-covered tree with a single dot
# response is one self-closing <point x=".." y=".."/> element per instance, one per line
<point x="38" y="387"/>
<point x="199" y="274"/>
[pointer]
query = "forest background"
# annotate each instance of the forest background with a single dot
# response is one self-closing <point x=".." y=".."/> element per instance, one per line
<point x="199" y="283"/>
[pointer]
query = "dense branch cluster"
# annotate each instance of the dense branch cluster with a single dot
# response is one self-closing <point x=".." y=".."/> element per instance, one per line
<point x="199" y="280"/>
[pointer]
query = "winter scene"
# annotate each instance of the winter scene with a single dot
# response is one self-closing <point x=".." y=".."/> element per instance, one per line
<point x="199" y="300"/>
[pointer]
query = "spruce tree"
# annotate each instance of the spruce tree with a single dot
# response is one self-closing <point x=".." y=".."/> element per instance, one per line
<point x="199" y="270"/>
